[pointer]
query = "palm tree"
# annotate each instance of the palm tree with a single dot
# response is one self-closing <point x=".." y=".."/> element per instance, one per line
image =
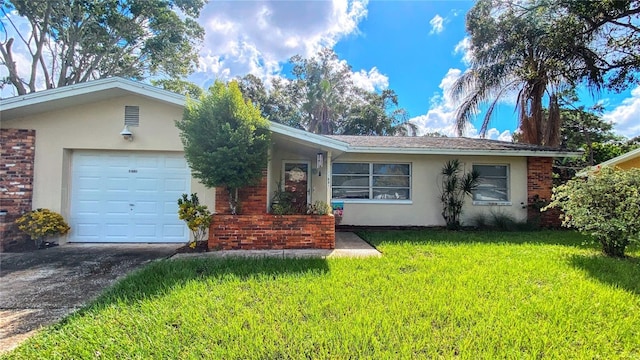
<point x="521" y="52"/>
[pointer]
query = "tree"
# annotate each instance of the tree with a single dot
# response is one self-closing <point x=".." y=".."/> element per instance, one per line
<point x="280" y="104"/>
<point x="75" y="41"/>
<point x="612" y="58"/>
<point x="225" y="140"/>
<point x="455" y="186"/>
<point x="323" y="99"/>
<point x="604" y="205"/>
<point x="324" y="85"/>
<point x="179" y="86"/>
<point x="378" y="114"/>
<point x="516" y="51"/>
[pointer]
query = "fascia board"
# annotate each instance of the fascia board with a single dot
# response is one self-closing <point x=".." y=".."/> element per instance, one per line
<point x="70" y="91"/>
<point x="308" y="137"/>
<point x="416" y="151"/>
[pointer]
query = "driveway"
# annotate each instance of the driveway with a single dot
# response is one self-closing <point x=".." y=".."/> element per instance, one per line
<point x="40" y="287"/>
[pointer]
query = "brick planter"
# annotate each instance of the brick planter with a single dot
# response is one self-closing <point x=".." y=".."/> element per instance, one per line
<point x="266" y="231"/>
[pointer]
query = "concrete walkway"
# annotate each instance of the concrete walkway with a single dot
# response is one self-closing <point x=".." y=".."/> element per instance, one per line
<point x="348" y="244"/>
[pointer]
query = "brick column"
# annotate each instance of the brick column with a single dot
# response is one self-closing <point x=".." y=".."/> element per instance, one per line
<point x="539" y="189"/>
<point x="17" y="147"/>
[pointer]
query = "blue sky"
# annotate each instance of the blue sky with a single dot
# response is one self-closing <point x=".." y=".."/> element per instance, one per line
<point x="413" y="47"/>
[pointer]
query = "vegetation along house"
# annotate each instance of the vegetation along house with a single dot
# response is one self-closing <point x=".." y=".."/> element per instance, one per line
<point x="106" y="155"/>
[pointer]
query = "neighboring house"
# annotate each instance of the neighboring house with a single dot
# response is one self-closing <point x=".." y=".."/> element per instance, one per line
<point x="65" y="149"/>
<point x="624" y="161"/>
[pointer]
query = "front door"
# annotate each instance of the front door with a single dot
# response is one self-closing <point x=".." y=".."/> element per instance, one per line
<point x="296" y="182"/>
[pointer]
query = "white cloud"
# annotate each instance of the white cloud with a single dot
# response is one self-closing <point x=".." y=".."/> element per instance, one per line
<point x="626" y="116"/>
<point x="256" y="37"/>
<point x="437" y="24"/>
<point x="371" y="80"/>
<point x="441" y="116"/>
<point x="463" y="47"/>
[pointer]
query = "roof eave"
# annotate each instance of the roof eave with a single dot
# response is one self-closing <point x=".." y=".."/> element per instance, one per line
<point x="621" y="158"/>
<point x="420" y="151"/>
<point x="70" y="91"/>
<point x="315" y="139"/>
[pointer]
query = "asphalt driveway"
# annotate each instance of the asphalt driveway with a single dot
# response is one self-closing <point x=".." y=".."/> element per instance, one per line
<point x="40" y="287"/>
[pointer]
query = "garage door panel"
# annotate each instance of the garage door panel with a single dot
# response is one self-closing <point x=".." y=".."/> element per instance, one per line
<point x="175" y="185"/>
<point x="147" y="161"/>
<point x="175" y="163"/>
<point x="127" y="196"/>
<point x="88" y="208"/>
<point x="146" y="185"/>
<point x="174" y="232"/>
<point x="146" y="230"/>
<point x="143" y="208"/>
<point x="117" y="184"/>
<point x="87" y="230"/>
<point x="90" y="183"/>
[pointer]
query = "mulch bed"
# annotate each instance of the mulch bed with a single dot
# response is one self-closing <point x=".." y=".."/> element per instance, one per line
<point x="27" y="246"/>
<point x="201" y="246"/>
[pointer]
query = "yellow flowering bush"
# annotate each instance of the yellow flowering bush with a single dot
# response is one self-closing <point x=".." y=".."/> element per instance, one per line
<point x="197" y="217"/>
<point x="40" y="224"/>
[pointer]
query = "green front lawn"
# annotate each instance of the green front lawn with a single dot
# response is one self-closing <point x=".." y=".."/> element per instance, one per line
<point x="432" y="294"/>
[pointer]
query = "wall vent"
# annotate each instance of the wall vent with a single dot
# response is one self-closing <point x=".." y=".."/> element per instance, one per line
<point x="132" y="115"/>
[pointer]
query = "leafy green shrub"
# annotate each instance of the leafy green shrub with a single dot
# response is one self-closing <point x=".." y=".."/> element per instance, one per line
<point x="319" y="208"/>
<point x="40" y="224"/>
<point x="282" y="203"/>
<point x="454" y="188"/>
<point x="197" y="217"/>
<point x="605" y="204"/>
<point x="225" y="140"/>
<point x="500" y="221"/>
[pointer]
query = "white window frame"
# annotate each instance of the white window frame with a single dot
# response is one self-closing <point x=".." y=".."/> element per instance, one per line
<point x="371" y="175"/>
<point x="508" y="189"/>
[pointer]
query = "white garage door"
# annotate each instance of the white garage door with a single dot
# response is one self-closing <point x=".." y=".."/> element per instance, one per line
<point x="127" y="196"/>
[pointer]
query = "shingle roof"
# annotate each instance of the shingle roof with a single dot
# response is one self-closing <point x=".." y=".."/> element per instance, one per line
<point x="437" y="143"/>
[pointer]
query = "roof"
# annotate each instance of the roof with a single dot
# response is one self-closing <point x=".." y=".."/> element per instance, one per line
<point x="445" y="146"/>
<point x="82" y="93"/>
<point x="104" y="89"/>
<point x="620" y="159"/>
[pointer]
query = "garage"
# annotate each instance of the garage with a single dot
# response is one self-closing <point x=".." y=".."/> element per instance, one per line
<point x="127" y="196"/>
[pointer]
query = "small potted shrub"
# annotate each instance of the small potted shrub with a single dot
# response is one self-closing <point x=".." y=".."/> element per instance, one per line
<point x="197" y="217"/>
<point x="41" y="224"/>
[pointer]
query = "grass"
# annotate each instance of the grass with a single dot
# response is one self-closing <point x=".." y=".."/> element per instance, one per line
<point x="433" y="294"/>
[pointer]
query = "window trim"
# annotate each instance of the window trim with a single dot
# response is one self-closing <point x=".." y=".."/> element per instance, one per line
<point x="508" y="182"/>
<point x="371" y="188"/>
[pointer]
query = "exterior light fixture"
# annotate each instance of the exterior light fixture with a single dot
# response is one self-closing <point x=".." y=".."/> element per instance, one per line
<point x="126" y="133"/>
<point x="319" y="162"/>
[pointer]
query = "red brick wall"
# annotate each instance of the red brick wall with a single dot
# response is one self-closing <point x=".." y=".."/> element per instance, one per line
<point x="253" y="199"/>
<point x="265" y="231"/>
<point x="539" y="189"/>
<point x="17" y="147"/>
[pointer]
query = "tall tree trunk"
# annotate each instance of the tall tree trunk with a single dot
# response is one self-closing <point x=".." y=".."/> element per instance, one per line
<point x="552" y="128"/>
<point x="7" y="54"/>
<point x="233" y="200"/>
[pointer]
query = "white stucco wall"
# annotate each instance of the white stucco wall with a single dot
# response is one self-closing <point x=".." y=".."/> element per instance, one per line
<point x="425" y="208"/>
<point x="317" y="184"/>
<point x="96" y="126"/>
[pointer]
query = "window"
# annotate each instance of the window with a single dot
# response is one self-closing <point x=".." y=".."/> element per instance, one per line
<point x="494" y="183"/>
<point x="371" y="181"/>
